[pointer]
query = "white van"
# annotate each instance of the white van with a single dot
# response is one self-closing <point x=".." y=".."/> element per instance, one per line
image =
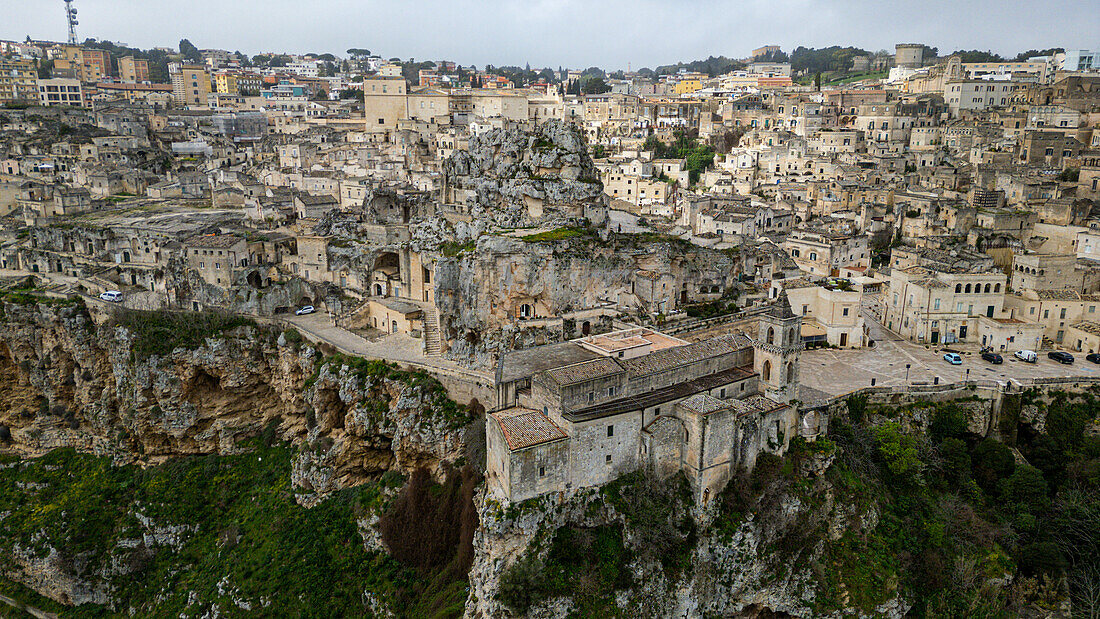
<point x="113" y="296"/>
<point x="1026" y="355"/>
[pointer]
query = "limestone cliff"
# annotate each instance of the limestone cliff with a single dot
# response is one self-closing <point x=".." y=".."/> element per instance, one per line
<point x="515" y="178"/>
<point x="68" y="379"/>
<point x="480" y="292"/>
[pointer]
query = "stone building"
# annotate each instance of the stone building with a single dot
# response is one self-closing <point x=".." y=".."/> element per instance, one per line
<point x="584" y="412"/>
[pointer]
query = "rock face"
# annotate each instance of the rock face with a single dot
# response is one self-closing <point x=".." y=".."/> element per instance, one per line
<point x="479" y="292"/>
<point x="515" y="178"/>
<point x="66" y="381"/>
<point x="734" y="571"/>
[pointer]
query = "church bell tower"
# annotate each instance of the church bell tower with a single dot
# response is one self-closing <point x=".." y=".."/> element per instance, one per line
<point x="776" y="351"/>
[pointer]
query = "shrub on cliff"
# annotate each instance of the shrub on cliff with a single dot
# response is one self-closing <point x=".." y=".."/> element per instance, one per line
<point x="161" y="332"/>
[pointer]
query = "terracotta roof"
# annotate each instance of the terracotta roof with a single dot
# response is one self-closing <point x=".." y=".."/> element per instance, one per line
<point x="755" y="404"/>
<point x="214" y="241"/>
<point x="584" y="371"/>
<point x="668" y="358"/>
<point x="523" y="427"/>
<point x="1087" y="326"/>
<point x="660" y="396"/>
<point x="704" y="403"/>
<point x="1059" y="295"/>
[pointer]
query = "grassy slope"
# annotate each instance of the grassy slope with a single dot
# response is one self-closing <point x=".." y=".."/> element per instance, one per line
<point x="245" y="528"/>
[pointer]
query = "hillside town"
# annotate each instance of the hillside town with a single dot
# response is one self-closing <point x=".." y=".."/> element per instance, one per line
<point x="580" y="249"/>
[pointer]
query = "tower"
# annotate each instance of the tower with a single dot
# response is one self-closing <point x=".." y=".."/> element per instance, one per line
<point x="776" y="350"/>
<point x="70" y="15"/>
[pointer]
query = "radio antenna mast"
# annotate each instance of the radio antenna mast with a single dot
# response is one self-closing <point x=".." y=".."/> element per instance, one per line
<point x="70" y="14"/>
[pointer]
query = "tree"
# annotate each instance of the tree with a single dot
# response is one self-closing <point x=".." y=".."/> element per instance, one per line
<point x="351" y="93"/>
<point x="45" y="68"/>
<point x="189" y="52"/>
<point x="973" y="55"/>
<point x="955" y="460"/>
<point x="1031" y="53"/>
<point x="592" y="85"/>
<point x="1025" y="489"/>
<point x="898" y="450"/>
<point x="992" y="462"/>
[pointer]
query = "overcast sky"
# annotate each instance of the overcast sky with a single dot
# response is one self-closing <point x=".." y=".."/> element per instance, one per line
<point x="570" y="33"/>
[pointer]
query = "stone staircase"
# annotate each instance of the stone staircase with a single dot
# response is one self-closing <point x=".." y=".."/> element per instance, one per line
<point x="432" y="345"/>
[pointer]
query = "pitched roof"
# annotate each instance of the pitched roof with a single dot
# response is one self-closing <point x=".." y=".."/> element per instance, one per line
<point x="584" y="371"/>
<point x="523" y="427"/>
<point x="661" y="360"/>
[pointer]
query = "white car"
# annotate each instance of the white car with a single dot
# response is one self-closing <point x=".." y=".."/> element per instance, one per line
<point x="304" y="310"/>
<point x="1026" y="355"/>
<point x="114" y="296"/>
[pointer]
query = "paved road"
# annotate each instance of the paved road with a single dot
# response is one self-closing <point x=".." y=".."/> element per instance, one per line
<point x="841" y="371"/>
<point x="393" y="347"/>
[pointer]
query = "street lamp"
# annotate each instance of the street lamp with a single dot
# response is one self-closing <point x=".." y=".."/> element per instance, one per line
<point x="907" y="366"/>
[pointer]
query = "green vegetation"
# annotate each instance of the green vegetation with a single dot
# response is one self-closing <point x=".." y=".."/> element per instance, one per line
<point x="454" y="248"/>
<point x="1069" y="175"/>
<point x="957" y="510"/>
<point x="31" y="296"/>
<point x="712" y="66"/>
<point x="589" y="564"/>
<point x="161" y="332"/>
<point x="697" y="157"/>
<point x="712" y="309"/>
<point x="237" y="521"/>
<point x="808" y="60"/>
<point x="559" y="234"/>
<point x="373" y="370"/>
<point x="858" y="77"/>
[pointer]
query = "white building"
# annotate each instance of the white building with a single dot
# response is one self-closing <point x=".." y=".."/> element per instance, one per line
<point x="60" y="91"/>
<point x="978" y="94"/>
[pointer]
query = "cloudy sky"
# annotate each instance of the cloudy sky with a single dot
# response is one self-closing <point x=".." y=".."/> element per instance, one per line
<point x="570" y="33"/>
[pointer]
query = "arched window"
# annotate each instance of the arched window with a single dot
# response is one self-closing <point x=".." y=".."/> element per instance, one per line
<point x="766" y="371"/>
<point x="996" y="287"/>
<point x="790" y="372"/>
<point x="958" y="288"/>
<point x="988" y="288"/>
<point x="968" y="288"/>
<point x="771" y="335"/>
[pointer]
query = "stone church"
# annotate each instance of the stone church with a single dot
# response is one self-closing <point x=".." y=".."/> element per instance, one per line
<point x="584" y="412"/>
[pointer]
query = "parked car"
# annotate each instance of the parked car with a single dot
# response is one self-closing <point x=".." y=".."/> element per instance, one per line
<point x="953" y="358"/>
<point x="113" y="296"/>
<point x="304" y="310"/>
<point x="1026" y="355"/>
<point x="1094" y="357"/>
<point x="993" y="357"/>
<point x="1060" y="357"/>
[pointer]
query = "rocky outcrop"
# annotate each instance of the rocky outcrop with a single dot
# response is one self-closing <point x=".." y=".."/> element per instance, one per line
<point x="513" y="177"/>
<point x="479" y="292"/>
<point x="733" y="573"/>
<point x="69" y="381"/>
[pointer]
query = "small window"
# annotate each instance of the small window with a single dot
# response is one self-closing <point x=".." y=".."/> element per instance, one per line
<point x="937" y="307"/>
<point x="611" y="430"/>
<point x="607" y="459"/>
<point x="542" y="471"/>
<point x="591" y="396"/>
